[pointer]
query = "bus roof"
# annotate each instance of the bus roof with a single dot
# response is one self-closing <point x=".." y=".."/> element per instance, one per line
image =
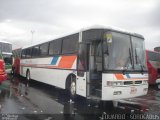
<point x="113" y="29"/>
<point x="92" y="28"/>
<point x="2" y="41"/>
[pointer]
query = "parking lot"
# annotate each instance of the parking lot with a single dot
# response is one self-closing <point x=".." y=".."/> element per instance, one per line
<point x="24" y="101"/>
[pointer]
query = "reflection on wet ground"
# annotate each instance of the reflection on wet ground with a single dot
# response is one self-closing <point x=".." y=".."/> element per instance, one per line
<point x="38" y="101"/>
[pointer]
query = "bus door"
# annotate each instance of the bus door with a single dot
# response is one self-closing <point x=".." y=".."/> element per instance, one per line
<point x="82" y="66"/>
<point x="95" y="69"/>
<point x="89" y="73"/>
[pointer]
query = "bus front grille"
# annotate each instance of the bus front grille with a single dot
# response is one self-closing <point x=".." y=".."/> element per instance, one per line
<point x="138" y="82"/>
<point x="128" y="82"/>
<point x="132" y="82"/>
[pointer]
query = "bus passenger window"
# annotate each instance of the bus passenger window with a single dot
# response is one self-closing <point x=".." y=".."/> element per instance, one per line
<point x="44" y="49"/>
<point x="55" y="47"/>
<point x="35" y="51"/>
<point x="23" y="54"/>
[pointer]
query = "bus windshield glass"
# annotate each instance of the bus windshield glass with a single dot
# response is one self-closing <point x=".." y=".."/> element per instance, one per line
<point x="120" y="54"/>
<point x="138" y="53"/>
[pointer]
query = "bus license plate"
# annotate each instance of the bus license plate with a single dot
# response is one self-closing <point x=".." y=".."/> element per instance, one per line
<point x="133" y="90"/>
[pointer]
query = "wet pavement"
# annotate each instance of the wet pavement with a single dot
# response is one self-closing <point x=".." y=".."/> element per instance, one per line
<point x="20" y="100"/>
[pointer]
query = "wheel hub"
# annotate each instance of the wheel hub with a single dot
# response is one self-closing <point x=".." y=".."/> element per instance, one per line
<point x="73" y="88"/>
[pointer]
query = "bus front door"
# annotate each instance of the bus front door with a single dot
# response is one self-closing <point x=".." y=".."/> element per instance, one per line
<point x="95" y="70"/>
<point x="82" y="70"/>
<point x="89" y="73"/>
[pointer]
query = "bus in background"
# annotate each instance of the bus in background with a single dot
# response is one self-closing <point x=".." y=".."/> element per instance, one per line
<point x="6" y="49"/>
<point x="3" y="74"/>
<point x="96" y="63"/>
<point x="16" y="61"/>
<point x="153" y="63"/>
<point x="157" y="49"/>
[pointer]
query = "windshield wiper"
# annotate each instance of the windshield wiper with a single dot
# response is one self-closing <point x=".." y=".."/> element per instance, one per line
<point x="130" y="56"/>
<point x="127" y="63"/>
<point x="140" y="63"/>
<point x="136" y="56"/>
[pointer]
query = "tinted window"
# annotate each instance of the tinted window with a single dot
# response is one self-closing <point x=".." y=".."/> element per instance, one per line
<point x="55" y="47"/>
<point x="35" y="51"/>
<point x="153" y="56"/>
<point x="70" y="44"/>
<point x="23" y="53"/>
<point x="157" y="49"/>
<point x="28" y="53"/>
<point x="82" y="61"/>
<point x="158" y="57"/>
<point x="93" y="34"/>
<point x="44" y="49"/>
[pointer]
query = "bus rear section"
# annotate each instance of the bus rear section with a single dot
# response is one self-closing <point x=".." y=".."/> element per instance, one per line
<point x="3" y="74"/>
<point x="153" y="64"/>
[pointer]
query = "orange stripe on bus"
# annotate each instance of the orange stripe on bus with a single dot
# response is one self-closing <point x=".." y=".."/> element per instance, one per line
<point x="66" y="61"/>
<point x="119" y="76"/>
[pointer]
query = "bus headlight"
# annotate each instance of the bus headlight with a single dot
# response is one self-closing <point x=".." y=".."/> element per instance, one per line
<point x="109" y="83"/>
<point x="115" y="83"/>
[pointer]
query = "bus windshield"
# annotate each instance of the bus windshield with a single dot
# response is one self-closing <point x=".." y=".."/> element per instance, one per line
<point x="121" y="55"/>
<point x="138" y="53"/>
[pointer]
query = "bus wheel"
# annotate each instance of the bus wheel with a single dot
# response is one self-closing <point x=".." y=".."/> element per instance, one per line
<point x="73" y="87"/>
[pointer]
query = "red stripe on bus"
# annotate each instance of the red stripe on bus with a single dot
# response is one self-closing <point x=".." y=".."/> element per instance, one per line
<point x="67" y="61"/>
<point x="119" y="76"/>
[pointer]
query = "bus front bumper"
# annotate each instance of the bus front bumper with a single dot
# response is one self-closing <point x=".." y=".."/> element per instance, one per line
<point x="122" y="92"/>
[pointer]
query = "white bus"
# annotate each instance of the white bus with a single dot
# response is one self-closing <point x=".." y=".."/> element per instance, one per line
<point x="97" y="63"/>
<point x="6" y="51"/>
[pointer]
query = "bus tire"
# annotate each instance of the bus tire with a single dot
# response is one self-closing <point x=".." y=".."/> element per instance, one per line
<point x="72" y="87"/>
<point x="28" y="75"/>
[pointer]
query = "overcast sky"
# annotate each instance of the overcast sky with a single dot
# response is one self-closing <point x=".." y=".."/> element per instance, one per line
<point x="51" y="18"/>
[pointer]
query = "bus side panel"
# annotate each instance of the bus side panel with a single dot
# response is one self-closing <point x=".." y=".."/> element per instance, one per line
<point x="51" y="70"/>
<point x="55" y="77"/>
